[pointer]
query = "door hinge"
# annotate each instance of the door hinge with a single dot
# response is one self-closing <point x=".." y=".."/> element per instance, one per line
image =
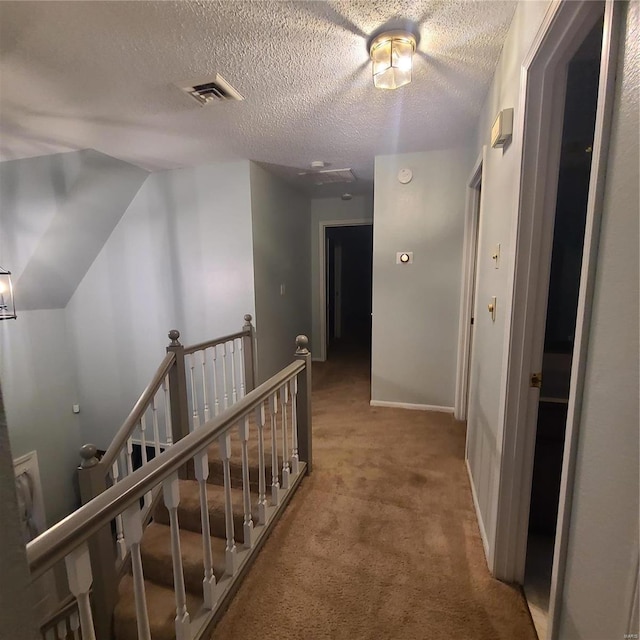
<point x="471" y="320"/>
<point x="536" y="380"/>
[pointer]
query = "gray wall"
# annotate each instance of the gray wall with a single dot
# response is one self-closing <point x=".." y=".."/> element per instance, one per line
<point x="180" y="257"/>
<point x="281" y="221"/>
<point x="603" y="536"/>
<point x="500" y="204"/>
<point x="38" y="379"/>
<point x="324" y="210"/>
<point x="415" y="306"/>
<point x="16" y="597"/>
<point x="56" y="212"/>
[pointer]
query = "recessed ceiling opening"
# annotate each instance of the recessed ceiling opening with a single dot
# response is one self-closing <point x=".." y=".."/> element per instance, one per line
<point x="328" y="176"/>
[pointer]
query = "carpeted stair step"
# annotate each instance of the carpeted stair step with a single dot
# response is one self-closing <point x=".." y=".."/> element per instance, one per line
<point x="156" y="557"/>
<point x="215" y="463"/>
<point x="189" y="510"/>
<point x="161" y="605"/>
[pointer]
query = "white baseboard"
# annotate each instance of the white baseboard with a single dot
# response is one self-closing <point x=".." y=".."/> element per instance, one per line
<point x="408" y="405"/>
<point x="476" y="505"/>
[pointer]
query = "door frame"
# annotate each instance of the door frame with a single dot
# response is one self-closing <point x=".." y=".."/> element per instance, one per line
<point x="337" y="291"/>
<point x="322" y="272"/>
<point x="473" y="208"/>
<point x="542" y="88"/>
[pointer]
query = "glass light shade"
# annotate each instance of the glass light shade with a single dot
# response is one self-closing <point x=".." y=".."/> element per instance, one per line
<point x="7" y="305"/>
<point x="392" y="59"/>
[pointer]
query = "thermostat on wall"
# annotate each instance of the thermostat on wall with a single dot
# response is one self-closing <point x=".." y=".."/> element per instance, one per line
<point x="502" y="129"/>
<point x="405" y="176"/>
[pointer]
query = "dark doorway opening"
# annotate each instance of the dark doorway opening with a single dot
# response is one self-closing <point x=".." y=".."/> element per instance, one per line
<point x="349" y="260"/>
<point x="562" y="304"/>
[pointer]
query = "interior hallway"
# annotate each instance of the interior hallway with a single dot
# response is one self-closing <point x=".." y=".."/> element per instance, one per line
<point x="381" y="542"/>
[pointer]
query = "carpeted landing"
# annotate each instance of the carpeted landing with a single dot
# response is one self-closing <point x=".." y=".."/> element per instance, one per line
<point x="381" y="541"/>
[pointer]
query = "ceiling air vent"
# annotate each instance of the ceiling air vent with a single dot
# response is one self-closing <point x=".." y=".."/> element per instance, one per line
<point x="217" y="90"/>
<point x="328" y="176"/>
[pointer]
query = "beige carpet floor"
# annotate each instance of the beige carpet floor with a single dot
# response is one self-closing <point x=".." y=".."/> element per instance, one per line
<point x="381" y="541"/>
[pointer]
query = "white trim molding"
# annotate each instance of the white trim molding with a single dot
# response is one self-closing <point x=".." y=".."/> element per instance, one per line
<point x="411" y="406"/>
<point x="476" y="506"/>
<point x="539" y="126"/>
<point x="469" y="259"/>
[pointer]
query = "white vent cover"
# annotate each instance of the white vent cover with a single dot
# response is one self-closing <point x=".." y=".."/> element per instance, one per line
<point x="328" y="176"/>
<point x="216" y="90"/>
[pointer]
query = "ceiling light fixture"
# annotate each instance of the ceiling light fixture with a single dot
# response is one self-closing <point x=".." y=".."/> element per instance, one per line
<point x="392" y="57"/>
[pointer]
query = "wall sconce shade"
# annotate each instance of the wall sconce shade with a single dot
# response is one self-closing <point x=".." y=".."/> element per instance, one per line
<point x="392" y="58"/>
<point x="7" y="304"/>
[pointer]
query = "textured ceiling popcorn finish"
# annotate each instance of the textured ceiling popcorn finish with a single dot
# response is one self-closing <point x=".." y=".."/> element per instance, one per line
<point x="106" y="76"/>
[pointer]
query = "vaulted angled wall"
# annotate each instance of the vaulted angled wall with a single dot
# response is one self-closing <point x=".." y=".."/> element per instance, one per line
<point x="49" y="207"/>
<point x="180" y="257"/>
<point x="137" y="254"/>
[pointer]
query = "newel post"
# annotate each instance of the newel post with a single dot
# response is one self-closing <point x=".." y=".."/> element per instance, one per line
<point x="248" y="351"/>
<point x="92" y="481"/>
<point x="304" y="403"/>
<point x="178" y="389"/>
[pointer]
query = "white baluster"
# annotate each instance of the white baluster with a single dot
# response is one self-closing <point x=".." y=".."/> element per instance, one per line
<point x="156" y="430"/>
<point x="295" y="461"/>
<point x="230" y="550"/>
<point x="78" y="564"/>
<point x="129" y="455"/>
<point x="61" y="629"/>
<point x="216" y="406"/>
<point x="133" y="532"/>
<point x="143" y="440"/>
<point x="171" y="493"/>
<point x="275" y="476"/>
<point x="194" y="396"/>
<point x="284" y="399"/>
<point x="224" y="376"/>
<point x="205" y="391"/>
<point x="201" y="466"/>
<point x="246" y="488"/>
<point x="74" y="623"/>
<point x="234" y="393"/>
<point x="262" y="481"/>
<point x="120" y="543"/>
<point x="167" y="412"/>
<point x="242" y="371"/>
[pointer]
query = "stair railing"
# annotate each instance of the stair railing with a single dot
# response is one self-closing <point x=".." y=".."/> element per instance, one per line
<point x="73" y="537"/>
<point x="165" y="412"/>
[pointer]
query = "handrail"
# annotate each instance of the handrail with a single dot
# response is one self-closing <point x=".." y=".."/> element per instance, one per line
<point x="212" y="343"/>
<point x="136" y="413"/>
<point x="65" y="607"/>
<point x="58" y="541"/>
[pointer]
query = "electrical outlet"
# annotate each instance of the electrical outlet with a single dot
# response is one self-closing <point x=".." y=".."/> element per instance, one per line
<point x="76" y="408"/>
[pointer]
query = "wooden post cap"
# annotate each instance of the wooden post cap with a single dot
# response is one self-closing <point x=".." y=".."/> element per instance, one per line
<point x="248" y="318"/>
<point x="174" y="334"/>
<point x="302" y="342"/>
<point x="88" y="455"/>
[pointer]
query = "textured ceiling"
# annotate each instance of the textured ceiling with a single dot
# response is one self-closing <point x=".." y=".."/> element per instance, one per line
<point x="105" y="75"/>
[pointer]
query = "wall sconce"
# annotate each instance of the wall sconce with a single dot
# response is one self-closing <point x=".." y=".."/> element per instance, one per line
<point x="7" y="304"/>
<point x="392" y="57"/>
